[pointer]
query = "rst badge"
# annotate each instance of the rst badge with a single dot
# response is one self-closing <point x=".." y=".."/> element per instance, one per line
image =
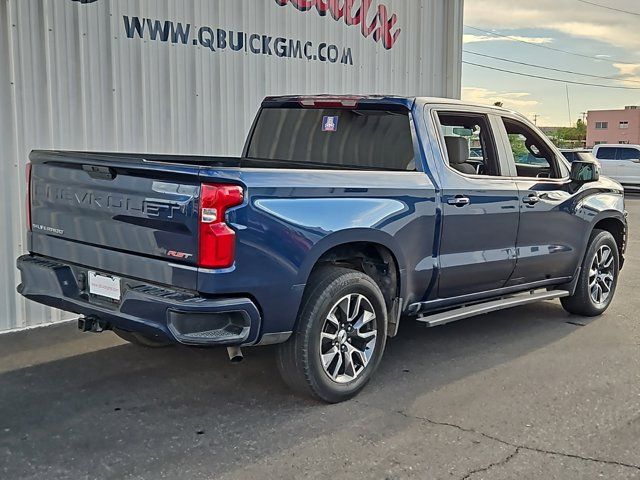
<point x="180" y="255"/>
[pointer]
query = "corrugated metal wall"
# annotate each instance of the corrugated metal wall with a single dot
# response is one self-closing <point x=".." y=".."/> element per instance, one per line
<point x="71" y="78"/>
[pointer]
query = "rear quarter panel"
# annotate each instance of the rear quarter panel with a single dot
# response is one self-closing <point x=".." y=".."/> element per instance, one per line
<point x="291" y="217"/>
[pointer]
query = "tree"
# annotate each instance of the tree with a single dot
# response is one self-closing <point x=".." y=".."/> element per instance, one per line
<point x="518" y="146"/>
<point x="575" y="136"/>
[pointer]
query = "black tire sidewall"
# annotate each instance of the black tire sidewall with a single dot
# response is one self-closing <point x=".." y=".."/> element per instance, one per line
<point x="590" y="307"/>
<point x="314" y="316"/>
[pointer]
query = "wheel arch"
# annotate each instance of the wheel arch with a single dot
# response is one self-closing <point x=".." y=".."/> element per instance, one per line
<point x="617" y="228"/>
<point x="374" y="253"/>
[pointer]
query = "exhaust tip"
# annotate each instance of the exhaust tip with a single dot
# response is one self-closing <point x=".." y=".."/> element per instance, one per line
<point x="235" y="354"/>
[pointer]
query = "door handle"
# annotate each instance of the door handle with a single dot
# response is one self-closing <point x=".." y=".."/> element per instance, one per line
<point x="459" y="201"/>
<point x="531" y="199"/>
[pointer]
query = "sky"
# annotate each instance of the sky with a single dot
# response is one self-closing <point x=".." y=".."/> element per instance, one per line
<point x="610" y="39"/>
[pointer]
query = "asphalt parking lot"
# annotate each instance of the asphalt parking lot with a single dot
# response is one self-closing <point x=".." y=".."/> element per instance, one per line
<point x="526" y="393"/>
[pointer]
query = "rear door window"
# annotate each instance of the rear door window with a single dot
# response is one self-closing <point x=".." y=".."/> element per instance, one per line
<point x="370" y="139"/>
<point x="469" y="143"/>
<point x="628" y="154"/>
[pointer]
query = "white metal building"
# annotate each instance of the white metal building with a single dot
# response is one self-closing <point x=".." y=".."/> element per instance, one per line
<point x="187" y="76"/>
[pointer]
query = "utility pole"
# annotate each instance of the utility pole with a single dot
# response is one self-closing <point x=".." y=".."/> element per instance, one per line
<point x="584" y="117"/>
<point x="535" y="119"/>
<point x="566" y="85"/>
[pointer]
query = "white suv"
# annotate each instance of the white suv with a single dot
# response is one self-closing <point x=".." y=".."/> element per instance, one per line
<point x="620" y="162"/>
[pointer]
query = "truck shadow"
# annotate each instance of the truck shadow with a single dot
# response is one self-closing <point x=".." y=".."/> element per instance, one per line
<point x="125" y="409"/>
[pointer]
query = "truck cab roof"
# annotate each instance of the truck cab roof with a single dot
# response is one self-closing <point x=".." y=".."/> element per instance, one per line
<point x="346" y="101"/>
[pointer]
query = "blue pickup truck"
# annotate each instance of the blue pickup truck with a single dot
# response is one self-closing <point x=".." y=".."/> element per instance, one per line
<point x="343" y="218"/>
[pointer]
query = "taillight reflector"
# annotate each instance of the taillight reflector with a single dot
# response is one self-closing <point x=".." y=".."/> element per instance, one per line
<point x="28" y="176"/>
<point x="217" y="241"/>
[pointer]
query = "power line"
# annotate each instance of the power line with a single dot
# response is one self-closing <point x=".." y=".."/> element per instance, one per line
<point x="502" y="59"/>
<point x="547" y="47"/>
<point x="572" y="82"/>
<point x="609" y="8"/>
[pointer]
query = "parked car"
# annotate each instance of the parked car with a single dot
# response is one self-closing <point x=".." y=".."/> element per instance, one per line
<point x="573" y="154"/>
<point x="344" y="218"/>
<point x="620" y="162"/>
<point x="475" y="152"/>
<point x="531" y="159"/>
<point x="579" y="154"/>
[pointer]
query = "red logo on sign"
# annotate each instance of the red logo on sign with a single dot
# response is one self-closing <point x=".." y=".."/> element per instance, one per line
<point x="381" y="26"/>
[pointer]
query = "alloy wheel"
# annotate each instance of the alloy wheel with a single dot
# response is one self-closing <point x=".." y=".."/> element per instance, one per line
<point x="601" y="275"/>
<point x="348" y="338"/>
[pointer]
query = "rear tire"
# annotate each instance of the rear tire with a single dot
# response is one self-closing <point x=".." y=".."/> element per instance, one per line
<point x="339" y="338"/>
<point x="141" y="340"/>
<point x="598" y="277"/>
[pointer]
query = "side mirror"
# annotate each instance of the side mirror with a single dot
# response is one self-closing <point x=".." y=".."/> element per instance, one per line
<point x="584" y="171"/>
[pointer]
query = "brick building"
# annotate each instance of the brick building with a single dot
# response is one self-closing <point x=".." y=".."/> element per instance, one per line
<point x="613" y="126"/>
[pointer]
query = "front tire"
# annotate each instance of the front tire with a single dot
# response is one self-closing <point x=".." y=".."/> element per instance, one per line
<point x="598" y="277"/>
<point x="339" y="338"/>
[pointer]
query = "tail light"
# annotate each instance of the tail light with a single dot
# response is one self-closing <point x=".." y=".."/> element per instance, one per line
<point x="28" y="176"/>
<point x="217" y="242"/>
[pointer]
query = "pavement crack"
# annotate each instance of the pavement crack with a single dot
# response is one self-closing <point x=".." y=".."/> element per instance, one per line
<point x="502" y="462"/>
<point x="519" y="446"/>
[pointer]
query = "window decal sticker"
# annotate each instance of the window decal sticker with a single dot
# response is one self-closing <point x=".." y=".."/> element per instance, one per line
<point x="329" y="124"/>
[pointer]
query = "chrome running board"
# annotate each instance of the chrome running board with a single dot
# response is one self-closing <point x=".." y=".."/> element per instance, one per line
<point x="459" y="313"/>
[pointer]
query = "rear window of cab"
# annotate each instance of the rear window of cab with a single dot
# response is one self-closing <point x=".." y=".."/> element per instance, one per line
<point x="367" y="139"/>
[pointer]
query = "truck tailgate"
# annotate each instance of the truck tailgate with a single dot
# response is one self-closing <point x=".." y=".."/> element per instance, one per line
<point x="116" y="205"/>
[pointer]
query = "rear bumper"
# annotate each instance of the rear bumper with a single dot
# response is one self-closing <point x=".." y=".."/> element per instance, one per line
<point x="157" y="311"/>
